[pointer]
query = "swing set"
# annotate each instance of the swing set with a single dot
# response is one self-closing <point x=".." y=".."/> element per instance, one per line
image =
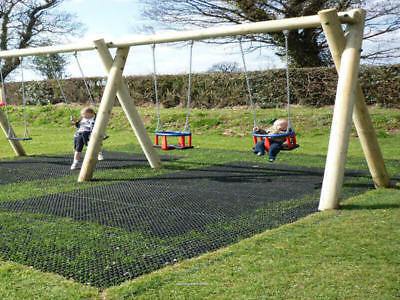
<point x="349" y="102"/>
<point x="11" y="135"/>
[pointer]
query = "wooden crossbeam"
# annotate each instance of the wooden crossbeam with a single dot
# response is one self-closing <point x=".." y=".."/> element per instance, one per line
<point x="200" y="34"/>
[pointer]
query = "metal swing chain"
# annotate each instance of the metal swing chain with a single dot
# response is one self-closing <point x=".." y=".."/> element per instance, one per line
<point x="189" y="90"/>
<point x="91" y="99"/>
<point x="286" y="34"/>
<point x="155" y="86"/>
<point x="26" y="133"/>
<point x="248" y="85"/>
<point x="3" y="98"/>
<point x="53" y="71"/>
<point x="3" y="87"/>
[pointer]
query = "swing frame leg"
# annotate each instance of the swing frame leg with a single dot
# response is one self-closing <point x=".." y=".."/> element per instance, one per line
<point x="343" y="110"/>
<point x="362" y="120"/>
<point x="115" y="87"/>
<point x="103" y="115"/>
<point x="128" y="106"/>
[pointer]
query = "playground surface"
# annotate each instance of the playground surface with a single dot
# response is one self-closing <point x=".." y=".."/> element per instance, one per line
<point x="149" y="223"/>
<point x="227" y="210"/>
<point x="41" y="167"/>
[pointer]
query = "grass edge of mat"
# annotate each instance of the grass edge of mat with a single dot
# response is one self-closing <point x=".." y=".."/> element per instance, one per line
<point x="23" y="282"/>
<point x="167" y="282"/>
<point x="122" y="291"/>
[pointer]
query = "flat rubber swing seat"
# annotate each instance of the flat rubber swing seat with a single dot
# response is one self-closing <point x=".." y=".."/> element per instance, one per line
<point x="181" y="135"/>
<point x="290" y="140"/>
<point x="20" y="139"/>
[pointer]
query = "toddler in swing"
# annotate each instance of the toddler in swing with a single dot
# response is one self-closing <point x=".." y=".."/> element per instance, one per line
<point x="279" y="126"/>
<point x="84" y="127"/>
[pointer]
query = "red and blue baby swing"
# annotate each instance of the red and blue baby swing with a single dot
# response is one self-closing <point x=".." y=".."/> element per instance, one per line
<point x="162" y="134"/>
<point x="290" y="135"/>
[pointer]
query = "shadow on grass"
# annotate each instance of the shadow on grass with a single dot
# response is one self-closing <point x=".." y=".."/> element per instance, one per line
<point x="299" y="159"/>
<point x="370" y="206"/>
<point x="366" y="185"/>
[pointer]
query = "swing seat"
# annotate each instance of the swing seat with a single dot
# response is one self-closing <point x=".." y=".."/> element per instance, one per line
<point x="181" y="135"/>
<point x="289" y="144"/>
<point x="20" y="139"/>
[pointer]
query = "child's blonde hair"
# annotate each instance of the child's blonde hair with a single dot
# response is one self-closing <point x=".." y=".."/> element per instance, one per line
<point x="281" y="122"/>
<point x="87" y="110"/>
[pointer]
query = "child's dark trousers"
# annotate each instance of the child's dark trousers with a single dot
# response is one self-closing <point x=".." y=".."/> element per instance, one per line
<point x="81" y="139"/>
<point x="274" y="149"/>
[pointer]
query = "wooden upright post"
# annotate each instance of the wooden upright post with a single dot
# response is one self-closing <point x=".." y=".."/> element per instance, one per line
<point x="335" y="36"/>
<point x="103" y="115"/>
<point x="343" y="110"/>
<point x="8" y="130"/>
<point x="128" y="105"/>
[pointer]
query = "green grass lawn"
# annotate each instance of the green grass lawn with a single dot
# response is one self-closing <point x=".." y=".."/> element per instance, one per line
<point x="346" y="254"/>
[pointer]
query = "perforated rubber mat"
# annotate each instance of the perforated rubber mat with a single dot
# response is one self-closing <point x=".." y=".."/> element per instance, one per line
<point x="117" y="232"/>
<point x="44" y="167"/>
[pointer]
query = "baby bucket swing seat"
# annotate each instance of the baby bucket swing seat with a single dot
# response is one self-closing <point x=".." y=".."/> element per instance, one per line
<point x="290" y="135"/>
<point x="186" y="132"/>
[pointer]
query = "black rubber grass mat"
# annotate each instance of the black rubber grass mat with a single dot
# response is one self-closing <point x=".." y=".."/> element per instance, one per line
<point x="131" y="228"/>
<point x="44" y="167"/>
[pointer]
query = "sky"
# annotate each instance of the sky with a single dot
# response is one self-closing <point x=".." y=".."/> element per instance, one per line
<point x="119" y="19"/>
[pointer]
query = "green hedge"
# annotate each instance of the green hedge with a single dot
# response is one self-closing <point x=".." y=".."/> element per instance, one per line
<point x="312" y="86"/>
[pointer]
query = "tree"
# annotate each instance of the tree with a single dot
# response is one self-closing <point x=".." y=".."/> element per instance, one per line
<point x="225" y="67"/>
<point x="52" y="66"/>
<point x="27" y="23"/>
<point x="307" y="47"/>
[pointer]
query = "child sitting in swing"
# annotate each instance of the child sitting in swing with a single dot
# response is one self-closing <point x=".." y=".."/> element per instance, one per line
<point x="279" y="126"/>
<point x="84" y="127"/>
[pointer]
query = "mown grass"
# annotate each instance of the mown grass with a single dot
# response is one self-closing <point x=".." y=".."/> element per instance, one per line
<point x="322" y="256"/>
<point x="349" y="254"/>
<point x="21" y="282"/>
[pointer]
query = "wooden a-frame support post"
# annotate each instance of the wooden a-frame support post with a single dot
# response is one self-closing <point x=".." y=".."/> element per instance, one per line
<point x="128" y="106"/>
<point x="115" y="87"/>
<point x="8" y="130"/>
<point x="341" y="121"/>
<point x="349" y="102"/>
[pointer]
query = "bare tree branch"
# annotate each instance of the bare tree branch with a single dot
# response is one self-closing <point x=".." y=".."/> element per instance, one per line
<point x="26" y="23"/>
<point x="308" y="47"/>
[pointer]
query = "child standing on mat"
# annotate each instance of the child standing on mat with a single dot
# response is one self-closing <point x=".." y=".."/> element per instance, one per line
<point x="276" y="144"/>
<point x="84" y="127"/>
